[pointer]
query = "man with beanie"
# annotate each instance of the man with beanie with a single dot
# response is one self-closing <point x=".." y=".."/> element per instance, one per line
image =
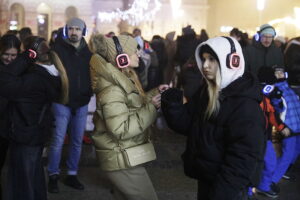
<point x="71" y="117"/>
<point x="263" y="51"/>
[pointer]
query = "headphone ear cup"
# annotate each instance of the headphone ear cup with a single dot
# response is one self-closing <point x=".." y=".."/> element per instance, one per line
<point x="65" y="31"/>
<point x="233" y="61"/>
<point x="84" y="32"/>
<point x="257" y="36"/>
<point x="123" y="60"/>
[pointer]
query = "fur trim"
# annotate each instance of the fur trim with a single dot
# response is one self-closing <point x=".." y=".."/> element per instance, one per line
<point x="98" y="44"/>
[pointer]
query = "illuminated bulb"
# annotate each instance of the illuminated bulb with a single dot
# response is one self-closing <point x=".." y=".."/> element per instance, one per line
<point x="138" y="12"/>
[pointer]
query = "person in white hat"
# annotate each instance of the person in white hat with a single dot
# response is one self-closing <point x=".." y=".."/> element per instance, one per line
<point x="223" y="122"/>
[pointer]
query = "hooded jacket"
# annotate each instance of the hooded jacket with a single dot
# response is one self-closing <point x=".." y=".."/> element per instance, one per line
<point x="4" y="119"/>
<point x="122" y="117"/>
<point x="224" y="152"/>
<point x="30" y="90"/>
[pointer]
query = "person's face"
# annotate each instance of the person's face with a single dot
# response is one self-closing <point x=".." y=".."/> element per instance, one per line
<point x="266" y="40"/>
<point x="137" y="33"/>
<point x="210" y="66"/>
<point x="74" y="34"/>
<point x="134" y="60"/>
<point x="9" y="55"/>
<point x="279" y="74"/>
<point x="43" y="53"/>
<point x="277" y="43"/>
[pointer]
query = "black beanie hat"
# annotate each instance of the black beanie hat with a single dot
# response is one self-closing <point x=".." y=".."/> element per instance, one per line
<point x="207" y="49"/>
<point x="266" y="75"/>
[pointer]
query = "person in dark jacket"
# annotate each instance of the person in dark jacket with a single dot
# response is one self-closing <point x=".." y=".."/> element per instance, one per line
<point x="223" y="122"/>
<point x="75" y="55"/>
<point x="30" y="83"/>
<point x="9" y="49"/>
<point x="292" y="63"/>
<point x="262" y="51"/>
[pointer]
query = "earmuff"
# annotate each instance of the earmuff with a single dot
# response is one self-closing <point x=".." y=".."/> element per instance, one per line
<point x="65" y="31"/>
<point x="122" y="59"/>
<point x="257" y="35"/>
<point x="232" y="59"/>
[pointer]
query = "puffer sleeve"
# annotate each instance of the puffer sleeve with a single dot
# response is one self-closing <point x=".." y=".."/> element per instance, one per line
<point x="120" y="120"/>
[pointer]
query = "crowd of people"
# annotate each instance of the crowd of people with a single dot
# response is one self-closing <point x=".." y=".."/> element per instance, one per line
<point x="233" y="97"/>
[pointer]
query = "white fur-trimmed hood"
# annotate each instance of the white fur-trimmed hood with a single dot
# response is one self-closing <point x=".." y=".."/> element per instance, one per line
<point x="222" y="48"/>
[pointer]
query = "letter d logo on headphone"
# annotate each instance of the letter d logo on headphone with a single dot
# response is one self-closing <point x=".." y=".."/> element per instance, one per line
<point x="122" y="59"/>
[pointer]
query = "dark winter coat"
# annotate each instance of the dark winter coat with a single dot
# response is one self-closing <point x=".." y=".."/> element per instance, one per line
<point x="30" y="90"/>
<point x="256" y="56"/>
<point x="76" y="63"/>
<point x="186" y="46"/>
<point x="292" y="61"/>
<point x="4" y="119"/>
<point x="225" y="152"/>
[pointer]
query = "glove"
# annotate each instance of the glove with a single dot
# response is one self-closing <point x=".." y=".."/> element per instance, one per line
<point x="276" y="93"/>
<point x="172" y="95"/>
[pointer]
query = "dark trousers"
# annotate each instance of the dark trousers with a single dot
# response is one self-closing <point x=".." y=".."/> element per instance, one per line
<point x="204" y="188"/>
<point x="3" y="150"/>
<point x="26" y="179"/>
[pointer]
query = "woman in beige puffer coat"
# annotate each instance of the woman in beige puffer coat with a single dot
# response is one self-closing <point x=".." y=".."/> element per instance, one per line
<point x="123" y="115"/>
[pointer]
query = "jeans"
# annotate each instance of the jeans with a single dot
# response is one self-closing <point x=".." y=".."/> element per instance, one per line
<point x="65" y="118"/>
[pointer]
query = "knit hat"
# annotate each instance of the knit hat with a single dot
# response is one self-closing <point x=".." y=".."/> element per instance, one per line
<point x="76" y="22"/>
<point x="222" y="48"/>
<point x="267" y="29"/>
<point x="106" y="47"/>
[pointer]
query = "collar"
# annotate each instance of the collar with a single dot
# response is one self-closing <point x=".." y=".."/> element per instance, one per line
<point x="51" y="69"/>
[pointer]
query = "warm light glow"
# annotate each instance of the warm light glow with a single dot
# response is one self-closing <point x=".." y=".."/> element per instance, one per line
<point x="260" y="4"/>
<point x="289" y="20"/>
<point x="13" y="25"/>
<point x="226" y="29"/>
<point x="138" y="12"/>
<point x="176" y="8"/>
<point x="297" y="16"/>
<point x="41" y="19"/>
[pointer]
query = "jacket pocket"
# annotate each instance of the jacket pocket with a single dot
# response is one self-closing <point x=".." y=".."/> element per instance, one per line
<point x="110" y="160"/>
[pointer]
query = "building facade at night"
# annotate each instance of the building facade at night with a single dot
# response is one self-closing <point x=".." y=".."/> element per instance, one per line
<point x="216" y="16"/>
<point x="43" y="16"/>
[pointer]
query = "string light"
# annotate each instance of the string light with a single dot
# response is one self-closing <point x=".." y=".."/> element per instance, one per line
<point x="176" y="8"/>
<point x="138" y="12"/>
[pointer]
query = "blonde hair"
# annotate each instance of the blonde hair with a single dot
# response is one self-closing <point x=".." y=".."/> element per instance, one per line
<point x="213" y="89"/>
<point x="64" y="95"/>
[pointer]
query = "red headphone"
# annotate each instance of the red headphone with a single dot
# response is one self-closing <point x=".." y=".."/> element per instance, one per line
<point x="122" y="59"/>
<point x="232" y="59"/>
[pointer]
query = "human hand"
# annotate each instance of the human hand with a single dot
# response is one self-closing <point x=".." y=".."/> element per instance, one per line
<point x="163" y="87"/>
<point x="156" y="101"/>
<point x="286" y="132"/>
